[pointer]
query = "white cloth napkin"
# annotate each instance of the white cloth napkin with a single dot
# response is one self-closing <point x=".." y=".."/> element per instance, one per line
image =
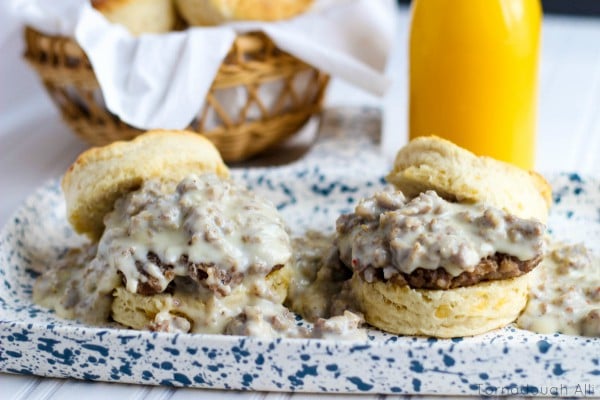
<point x="160" y="81"/>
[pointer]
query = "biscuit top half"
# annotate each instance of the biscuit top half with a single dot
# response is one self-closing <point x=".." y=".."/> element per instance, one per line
<point x="101" y="175"/>
<point x="432" y="163"/>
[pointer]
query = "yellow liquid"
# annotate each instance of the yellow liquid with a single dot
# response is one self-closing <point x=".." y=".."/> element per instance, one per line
<point x="473" y="75"/>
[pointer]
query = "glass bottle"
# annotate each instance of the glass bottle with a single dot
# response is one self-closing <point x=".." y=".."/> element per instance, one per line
<point x="473" y="75"/>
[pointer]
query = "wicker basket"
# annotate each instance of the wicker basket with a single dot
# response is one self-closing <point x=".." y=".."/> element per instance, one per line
<point x="252" y="64"/>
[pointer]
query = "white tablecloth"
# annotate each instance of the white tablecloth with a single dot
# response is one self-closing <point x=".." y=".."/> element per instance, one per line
<point x="35" y="145"/>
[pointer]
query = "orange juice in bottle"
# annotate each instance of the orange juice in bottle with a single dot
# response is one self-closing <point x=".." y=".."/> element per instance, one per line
<point x="473" y="75"/>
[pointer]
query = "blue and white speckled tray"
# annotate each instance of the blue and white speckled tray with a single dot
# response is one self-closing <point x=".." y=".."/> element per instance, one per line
<point x="310" y="194"/>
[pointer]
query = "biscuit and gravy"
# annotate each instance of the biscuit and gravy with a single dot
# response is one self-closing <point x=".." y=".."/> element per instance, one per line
<point x="175" y="246"/>
<point x="455" y="247"/>
<point x="448" y="253"/>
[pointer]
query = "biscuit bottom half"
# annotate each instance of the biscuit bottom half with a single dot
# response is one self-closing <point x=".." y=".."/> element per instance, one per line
<point x="204" y="312"/>
<point x="463" y="311"/>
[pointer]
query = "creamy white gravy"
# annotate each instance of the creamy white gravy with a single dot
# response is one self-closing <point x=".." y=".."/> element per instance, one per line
<point x="388" y="232"/>
<point x="78" y="287"/>
<point x="566" y="297"/>
<point x="204" y="250"/>
<point x="320" y="286"/>
<point x="320" y="289"/>
<point x="565" y="294"/>
<point x="210" y="229"/>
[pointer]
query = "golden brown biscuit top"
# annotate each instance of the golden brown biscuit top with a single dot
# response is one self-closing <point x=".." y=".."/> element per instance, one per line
<point x="101" y="175"/>
<point x="432" y="163"/>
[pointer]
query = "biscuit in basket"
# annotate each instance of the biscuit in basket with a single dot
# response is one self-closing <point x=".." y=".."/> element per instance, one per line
<point x="214" y="12"/>
<point x="101" y="175"/>
<point x="139" y="16"/>
<point x="449" y="253"/>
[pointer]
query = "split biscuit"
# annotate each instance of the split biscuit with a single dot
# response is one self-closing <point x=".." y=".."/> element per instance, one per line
<point x="101" y="175"/>
<point x="459" y="307"/>
<point x="432" y="163"/>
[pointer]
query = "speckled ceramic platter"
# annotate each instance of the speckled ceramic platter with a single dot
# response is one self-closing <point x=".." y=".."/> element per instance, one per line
<point x="310" y="194"/>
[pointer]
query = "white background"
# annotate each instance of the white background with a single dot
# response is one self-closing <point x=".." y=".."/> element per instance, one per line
<point x="35" y="146"/>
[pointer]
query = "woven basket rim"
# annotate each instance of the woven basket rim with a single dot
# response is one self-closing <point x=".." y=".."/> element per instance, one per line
<point x="66" y="71"/>
<point x="250" y="42"/>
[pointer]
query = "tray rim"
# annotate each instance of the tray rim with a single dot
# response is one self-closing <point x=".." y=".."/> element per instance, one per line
<point x="7" y="345"/>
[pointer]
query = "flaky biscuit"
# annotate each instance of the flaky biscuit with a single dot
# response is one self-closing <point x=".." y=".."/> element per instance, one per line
<point x="463" y="311"/>
<point x="431" y="163"/>
<point x="457" y="174"/>
<point x="214" y="12"/>
<point x="101" y="175"/>
<point x="139" y="16"/>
